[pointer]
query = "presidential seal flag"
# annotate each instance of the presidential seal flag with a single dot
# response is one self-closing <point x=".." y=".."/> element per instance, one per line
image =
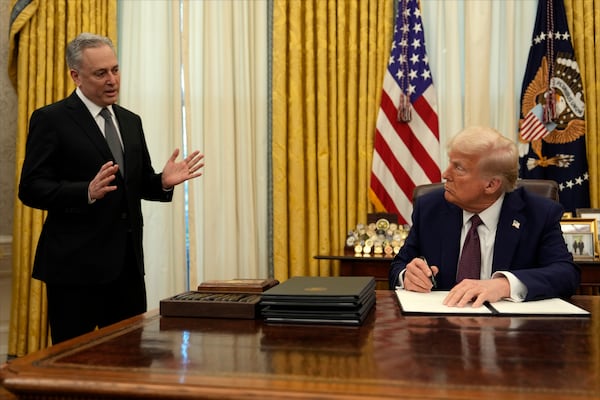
<point x="552" y="123"/>
<point x="407" y="147"/>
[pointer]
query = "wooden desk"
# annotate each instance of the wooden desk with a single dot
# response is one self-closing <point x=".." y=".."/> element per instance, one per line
<point x="379" y="266"/>
<point x="390" y="356"/>
<point x="590" y="277"/>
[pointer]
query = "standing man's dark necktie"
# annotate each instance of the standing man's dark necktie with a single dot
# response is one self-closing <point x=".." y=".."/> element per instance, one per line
<point x="112" y="138"/>
<point x="469" y="265"/>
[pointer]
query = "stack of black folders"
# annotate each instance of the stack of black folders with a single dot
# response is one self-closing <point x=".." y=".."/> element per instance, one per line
<point x="342" y="300"/>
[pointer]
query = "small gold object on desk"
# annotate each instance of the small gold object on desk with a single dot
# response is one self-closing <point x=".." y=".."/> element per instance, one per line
<point x="380" y="238"/>
<point x="233" y="298"/>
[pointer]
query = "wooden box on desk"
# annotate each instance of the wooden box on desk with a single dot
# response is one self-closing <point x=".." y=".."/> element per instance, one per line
<point x="237" y="298"/>
<point x="237" y="285"/>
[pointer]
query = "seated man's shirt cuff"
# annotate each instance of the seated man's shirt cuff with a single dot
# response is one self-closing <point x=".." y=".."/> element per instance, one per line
<point x="518" y="291"/>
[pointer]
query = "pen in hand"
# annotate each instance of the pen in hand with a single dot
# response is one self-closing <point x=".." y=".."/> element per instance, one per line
<point x="433" y="282"/>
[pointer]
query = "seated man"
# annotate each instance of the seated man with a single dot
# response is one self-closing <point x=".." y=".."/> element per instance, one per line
<point x="518" y="249"/>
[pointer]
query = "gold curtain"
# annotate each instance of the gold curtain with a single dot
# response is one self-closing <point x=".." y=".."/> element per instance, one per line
<point x="581" y="17"/>
<point x="328" y="63"/>
<point x="37" y="68"/>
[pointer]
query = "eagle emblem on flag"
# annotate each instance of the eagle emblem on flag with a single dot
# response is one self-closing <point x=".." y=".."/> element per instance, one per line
<point x="553" y="113"/>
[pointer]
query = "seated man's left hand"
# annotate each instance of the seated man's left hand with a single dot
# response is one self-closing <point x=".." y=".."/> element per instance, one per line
<point x="478" y="291"/>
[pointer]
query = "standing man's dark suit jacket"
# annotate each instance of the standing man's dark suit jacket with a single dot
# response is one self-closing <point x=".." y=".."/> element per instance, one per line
<point x="529" y="243"/>
<point x="80" y="242"/>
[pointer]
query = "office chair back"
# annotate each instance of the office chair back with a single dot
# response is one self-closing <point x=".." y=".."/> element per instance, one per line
<point x="543" y="187"/>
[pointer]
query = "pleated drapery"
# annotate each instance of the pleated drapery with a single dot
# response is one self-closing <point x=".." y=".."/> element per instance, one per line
<point x="204" y="86"/>
<point x="583" y="18"/>
<point x="328" y="63"/>
<point x="39" y="33"/>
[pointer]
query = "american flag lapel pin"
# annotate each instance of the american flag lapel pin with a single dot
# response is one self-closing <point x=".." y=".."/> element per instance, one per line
<point x="516" y="224"/>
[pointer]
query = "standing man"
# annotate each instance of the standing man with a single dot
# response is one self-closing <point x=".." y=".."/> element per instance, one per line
<point x="87" y="164"/>
<point x="516" y="249"/>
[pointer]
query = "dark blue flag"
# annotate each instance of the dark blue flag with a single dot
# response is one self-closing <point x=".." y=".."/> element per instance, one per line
<point x="552" y="120"/>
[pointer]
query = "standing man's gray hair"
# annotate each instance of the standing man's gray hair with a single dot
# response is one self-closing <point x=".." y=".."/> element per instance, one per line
<point x="81" y="42"/>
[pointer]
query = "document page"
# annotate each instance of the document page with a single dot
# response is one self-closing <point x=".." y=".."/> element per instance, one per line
<point x="539" y="307"/>
<point x="432" y="303"/>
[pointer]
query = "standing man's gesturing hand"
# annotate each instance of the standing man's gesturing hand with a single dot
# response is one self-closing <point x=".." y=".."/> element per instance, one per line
<point x="175" y="173"/>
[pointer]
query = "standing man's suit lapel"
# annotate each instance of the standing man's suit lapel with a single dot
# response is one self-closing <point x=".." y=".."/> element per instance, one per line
<point x="81" y="115"/>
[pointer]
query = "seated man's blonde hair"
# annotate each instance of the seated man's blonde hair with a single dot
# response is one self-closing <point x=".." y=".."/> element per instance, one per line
<point x="498" y="155"/>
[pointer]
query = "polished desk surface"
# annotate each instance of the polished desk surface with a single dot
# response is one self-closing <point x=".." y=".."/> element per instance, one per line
<point x="390" y="356"/>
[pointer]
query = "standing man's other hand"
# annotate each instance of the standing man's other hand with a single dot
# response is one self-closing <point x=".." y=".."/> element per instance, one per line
<point x="100" y="185"/>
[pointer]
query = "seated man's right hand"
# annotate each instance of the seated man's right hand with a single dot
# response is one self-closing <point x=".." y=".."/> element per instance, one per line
<point x="417" y="276"/>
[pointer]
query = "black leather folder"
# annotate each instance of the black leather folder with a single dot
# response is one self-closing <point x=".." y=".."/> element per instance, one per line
<point x="343" y="300"/>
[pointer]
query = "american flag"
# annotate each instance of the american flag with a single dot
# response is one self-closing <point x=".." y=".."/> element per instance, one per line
<point x="407" y="147"/>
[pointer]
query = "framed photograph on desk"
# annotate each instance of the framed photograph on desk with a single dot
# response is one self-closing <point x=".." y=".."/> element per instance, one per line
<point x="590" y="213"/>
<point x="581" y="237"/>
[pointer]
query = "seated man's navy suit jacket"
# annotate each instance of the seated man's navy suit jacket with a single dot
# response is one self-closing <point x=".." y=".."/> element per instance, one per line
<point x="529" y="243"/>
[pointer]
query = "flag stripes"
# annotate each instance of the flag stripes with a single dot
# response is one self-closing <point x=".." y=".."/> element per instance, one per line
<point x="532" y="128"/>
<point x="406" y="153"/>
